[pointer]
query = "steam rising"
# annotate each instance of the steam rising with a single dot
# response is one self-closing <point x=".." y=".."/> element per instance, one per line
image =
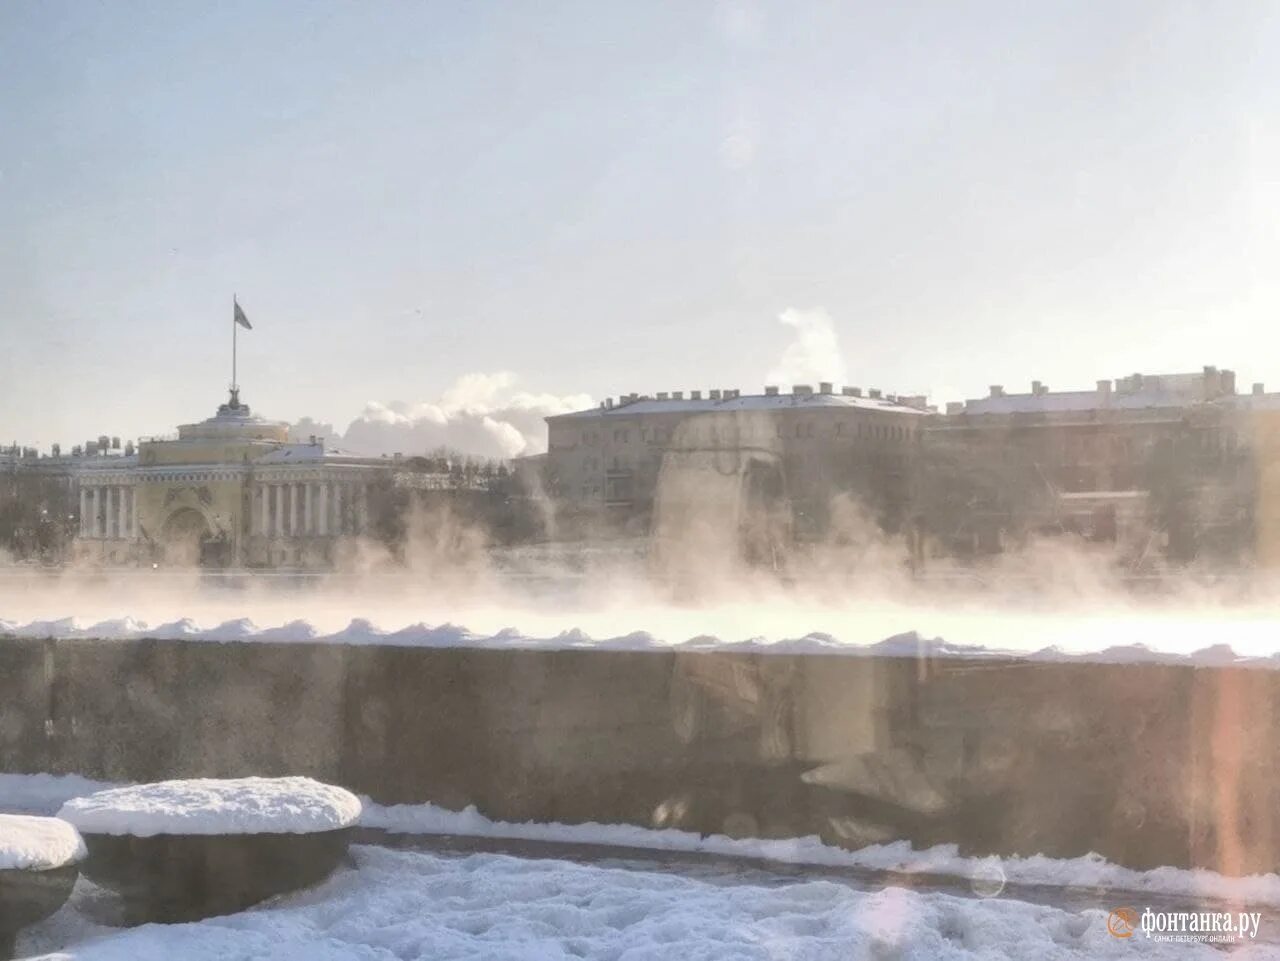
<point x="814" y="354"/>
<point x="853" y="588"/>
<point x="719" y="561"/>
<point x="480" y="414"/>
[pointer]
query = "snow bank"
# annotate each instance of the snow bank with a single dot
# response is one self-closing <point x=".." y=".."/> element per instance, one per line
<point x="254" y="805"/>
<point x="37" y="844"/>
<point x="411" y="905"/>
<point x="907" y="644"/>
<point x="1091" y="871"/>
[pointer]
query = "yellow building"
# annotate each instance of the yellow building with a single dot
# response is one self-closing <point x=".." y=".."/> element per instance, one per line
<point x="232" y="490"/>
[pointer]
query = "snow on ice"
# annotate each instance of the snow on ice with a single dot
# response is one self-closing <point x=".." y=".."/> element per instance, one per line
<point x="252" y="805"/>
<point x="37" y="843"/>
<point x="1090" y="871"/>
<point x="410" y="905"/>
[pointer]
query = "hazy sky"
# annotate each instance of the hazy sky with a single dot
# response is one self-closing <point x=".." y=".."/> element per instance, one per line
<point x="602" y="198"/>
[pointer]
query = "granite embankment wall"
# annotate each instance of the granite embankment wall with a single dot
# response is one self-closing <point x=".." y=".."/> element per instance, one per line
<point x="1144" y="763"/>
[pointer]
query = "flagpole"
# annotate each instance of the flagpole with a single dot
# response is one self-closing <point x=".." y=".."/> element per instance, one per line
<point x="234" y="325"/>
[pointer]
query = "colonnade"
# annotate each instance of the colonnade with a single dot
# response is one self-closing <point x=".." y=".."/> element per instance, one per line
<point x="309" y="508"/>
<point x="109" y="512"/>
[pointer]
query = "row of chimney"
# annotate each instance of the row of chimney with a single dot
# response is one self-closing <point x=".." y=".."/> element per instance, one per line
<point x="798" y="390"/>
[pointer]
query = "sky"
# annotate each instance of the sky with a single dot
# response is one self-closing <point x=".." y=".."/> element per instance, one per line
<point x="427" y="208"/>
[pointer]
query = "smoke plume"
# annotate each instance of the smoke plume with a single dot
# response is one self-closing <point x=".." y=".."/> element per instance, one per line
<point x="480" y="414"/>
<point x="814" y="354"/>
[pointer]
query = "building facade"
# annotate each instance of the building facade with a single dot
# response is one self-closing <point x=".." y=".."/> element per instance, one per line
<point x="229" y="491"/>
<point x="630" y="463"/>
<point x="1153" y="468"/>
<point x="1156" y="464"/>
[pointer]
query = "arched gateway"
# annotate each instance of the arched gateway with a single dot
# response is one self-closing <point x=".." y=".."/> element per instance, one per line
<point x="185" y="538"/>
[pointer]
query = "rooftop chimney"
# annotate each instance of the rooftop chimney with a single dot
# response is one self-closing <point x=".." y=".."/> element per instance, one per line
<point x="677" y="395"/>
<point x="801" y="390"/>
<point x="1104" y="389"/>
<point x="997" y="390"/>
<point x="608" y="403"/>
<point x="955" y="407"/>
<point x="771" y="391"/>
<point x="847" y="392"/>
<point x="824" y="387"/>
<point x="714" y="394"/>
<point x="663" y="395"/>
<point x="1212" y="382"/>
<point x="1037" y="388"/>
<point x="1258" y="388"/>
<point x="874" y="393"/>
<point x="695" y="395"/>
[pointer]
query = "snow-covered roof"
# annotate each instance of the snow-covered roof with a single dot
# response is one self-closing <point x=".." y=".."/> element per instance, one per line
<point x="1257" y="401"/>
<point x="37" y="843"/>
<point x="308" y="454"/>
<point x="751" y="402"/>
<point x="86" y="464"/>
<point x="1068" y="401"/>
<point x="252" y="805"/>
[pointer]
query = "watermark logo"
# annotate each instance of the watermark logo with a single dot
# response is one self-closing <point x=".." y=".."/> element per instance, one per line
<point x="1122" y="922"/>
<point x="1204" y="927"/>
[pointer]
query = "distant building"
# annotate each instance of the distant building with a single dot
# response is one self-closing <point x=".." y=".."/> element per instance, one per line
<point x="604" y="466"/>
<point x="1154" y="463"/>
<point x="231" y="490"/>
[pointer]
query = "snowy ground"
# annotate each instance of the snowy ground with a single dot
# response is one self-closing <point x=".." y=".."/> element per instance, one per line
<point x="586" y="890"/>
<point x="412" y="905"/>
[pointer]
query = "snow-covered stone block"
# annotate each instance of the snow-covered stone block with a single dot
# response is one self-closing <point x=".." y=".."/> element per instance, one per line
<point x="39" y="860"/>
<point x="183" y="850"/>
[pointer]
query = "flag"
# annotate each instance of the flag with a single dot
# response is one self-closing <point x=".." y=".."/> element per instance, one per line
<point x="241" y="319"/>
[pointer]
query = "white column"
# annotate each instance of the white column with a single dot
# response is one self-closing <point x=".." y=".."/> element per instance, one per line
<point x="264" y="516"/>
<point x="337" y="508"/>
<point x="96" y="530"/>
<point x="133" y="515"/>
<point x="123" y="522"/>
<point x="294" y="491"/>
<point x="84" y="511"/>
<point x="279" y="508"/>
<point x="308" y="524"/>
<point x="362" y="508"/>
<point x="323" y="527"/>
